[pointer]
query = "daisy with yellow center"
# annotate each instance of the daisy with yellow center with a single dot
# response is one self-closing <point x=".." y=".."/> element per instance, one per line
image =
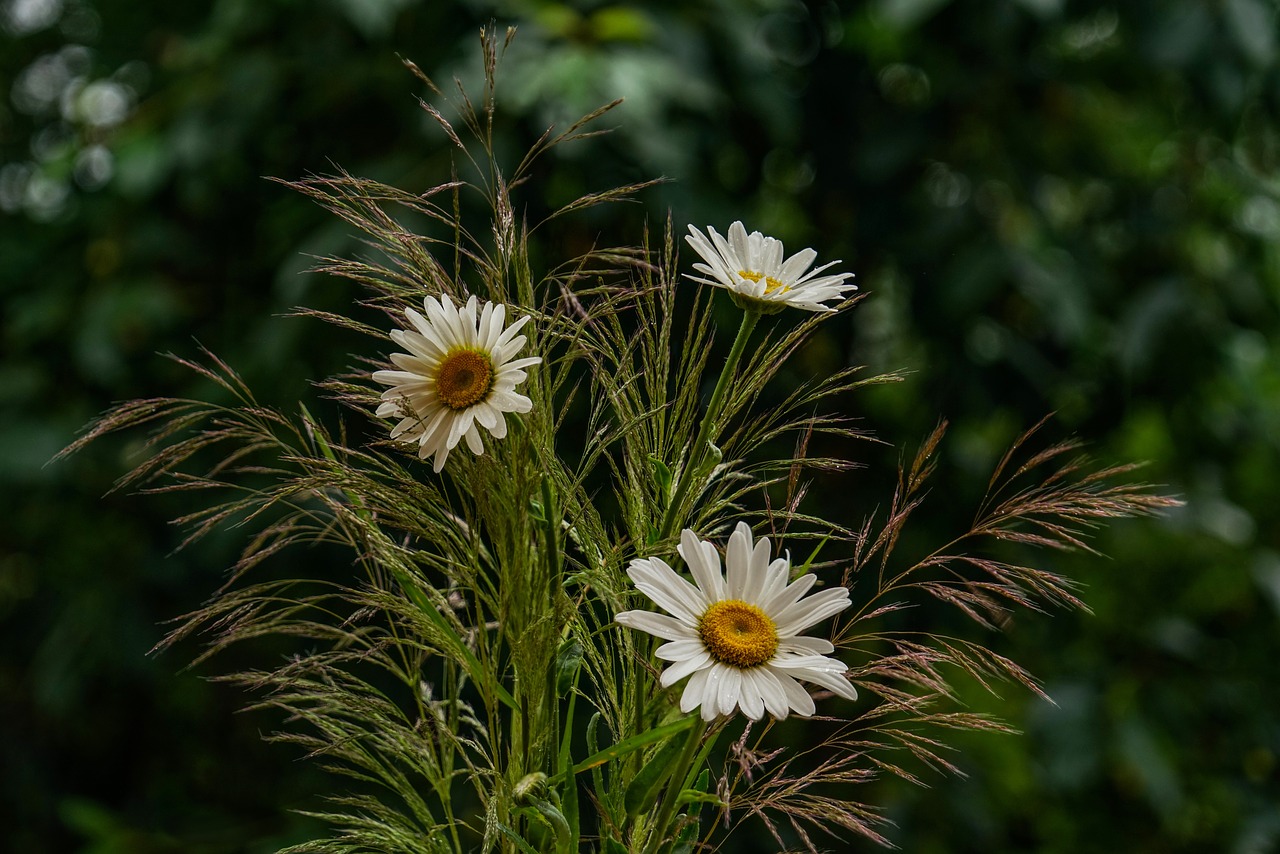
<point x="737" y="636"/>
<point x="460" y="374"/>
<point x="752" y="268"/>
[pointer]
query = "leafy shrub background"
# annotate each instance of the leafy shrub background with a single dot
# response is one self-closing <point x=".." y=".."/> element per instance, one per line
<point x="1055" y="206"/>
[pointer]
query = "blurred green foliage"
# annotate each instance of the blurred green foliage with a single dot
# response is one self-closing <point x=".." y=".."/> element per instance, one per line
<point x="1055" y="206"/>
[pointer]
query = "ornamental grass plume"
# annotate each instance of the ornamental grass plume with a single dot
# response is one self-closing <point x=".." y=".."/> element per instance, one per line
<point x="487" y="677"/>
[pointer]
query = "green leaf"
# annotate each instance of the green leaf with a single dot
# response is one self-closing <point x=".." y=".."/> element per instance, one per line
<point x="804" y="567"/>
<point x="550" y="814"/>
<point x="692" y="796"/>
<point x="569" y="809"/>
<point x="536" y="513"/>
<point x="662" y="475"/>
<point x="597" y="776"/>
<point x="569" y="797"/>
<point x="697" y="796"/>
<point x="568" y="659"/>
<point x="687" y="839"/>
<point x="643" y="791"/>
<point x="519" y="840"/>
<point x="635" y="742"/>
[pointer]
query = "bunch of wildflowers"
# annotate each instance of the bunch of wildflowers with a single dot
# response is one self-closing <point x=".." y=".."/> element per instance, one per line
<point x="538" y="701"/>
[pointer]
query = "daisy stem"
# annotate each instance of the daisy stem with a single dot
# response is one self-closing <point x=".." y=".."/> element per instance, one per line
<point x="552" y="514"/>
<point x="707" y="432"/>
<point x="675" y="785"/>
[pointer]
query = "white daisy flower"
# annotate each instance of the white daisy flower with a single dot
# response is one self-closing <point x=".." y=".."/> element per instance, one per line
<point x="460" y="372"/>
<point x="738" y="636"/>
<point x="751" y="267"/>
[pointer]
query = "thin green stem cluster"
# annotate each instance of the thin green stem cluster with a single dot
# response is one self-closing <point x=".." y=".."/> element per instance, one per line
<point x="709" y="428"/>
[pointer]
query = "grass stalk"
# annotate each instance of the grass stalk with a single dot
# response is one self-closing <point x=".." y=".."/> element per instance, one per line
<point x="707" y="431"/>
<point x="675" y="785"/>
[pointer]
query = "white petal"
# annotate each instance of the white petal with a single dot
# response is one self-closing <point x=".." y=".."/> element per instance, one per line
<point x="458" y="424"/>
<point x="737" y="561"/>
<point x="699" y="243"/>
<point x="750" y="697"/>
<point x="758" y="575"/>
<point x="505" y="384"/>
<point x="681" y="669"/>
<point x="724" y="265"/>
<point x="511" y="331"/>
<point x="795" y="266"/>
<point x="418" y="368"/>
<point x="808" y="306"/>
<point x="518" y="364"/>
<point x="672" y="593"/>
<point x="832" y="681"/>
<point x="730" y="689"/>
<point x="775" y="581"/>
<point x="722" y="251"/>
<point x="491" y="318"/>
<point x="805" y="646"/>
<point x="409" y="399"/>
<point x="811" y="278"/>
<point x="770" y="256"/>
<point x="695" y="693"/>
<point x="473" y="440"/>
<point x="435" y="426"/>
<point x="659" y="625"/>
<point x="438" y="320"/>
<point x="410" y="422"/>
<point x="740" y="243"/>
<point x="425" y="329"/>
<point x="706" y="572"/>
<point x="509" y="401"/>
<point x="486" y="416"/>
<point x="680" y="649"/>
<point x="503" y="353"/>
<point x="812" y="611"/>
<point x="467" y="319"/>
<point x="775" y="699"/>
<point x="395" y="377"/>
<point x="807" y="662"/>
<point x="451" y="327"/>
<point x="788" y="595"/>
<point x="711" y="691"/>
<point x="797" y="697"/>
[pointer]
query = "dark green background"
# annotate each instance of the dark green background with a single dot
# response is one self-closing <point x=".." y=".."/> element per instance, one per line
<point x="1054" y="206"/>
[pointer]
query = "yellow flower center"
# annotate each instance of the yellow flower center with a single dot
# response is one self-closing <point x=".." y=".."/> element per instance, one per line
<point x="464" y="378"/>
<point x="770" y="283"/>
<point x="737" y="633"/>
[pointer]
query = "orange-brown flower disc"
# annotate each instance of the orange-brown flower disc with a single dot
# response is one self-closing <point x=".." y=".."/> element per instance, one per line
<point x="464" y="378"/>
<point x="737" y="633"/>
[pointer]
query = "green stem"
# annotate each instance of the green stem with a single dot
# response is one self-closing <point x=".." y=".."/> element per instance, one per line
<point x="707" y="432"/>
<point x="552" y="516"/>
<point x="675" y="785"/>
